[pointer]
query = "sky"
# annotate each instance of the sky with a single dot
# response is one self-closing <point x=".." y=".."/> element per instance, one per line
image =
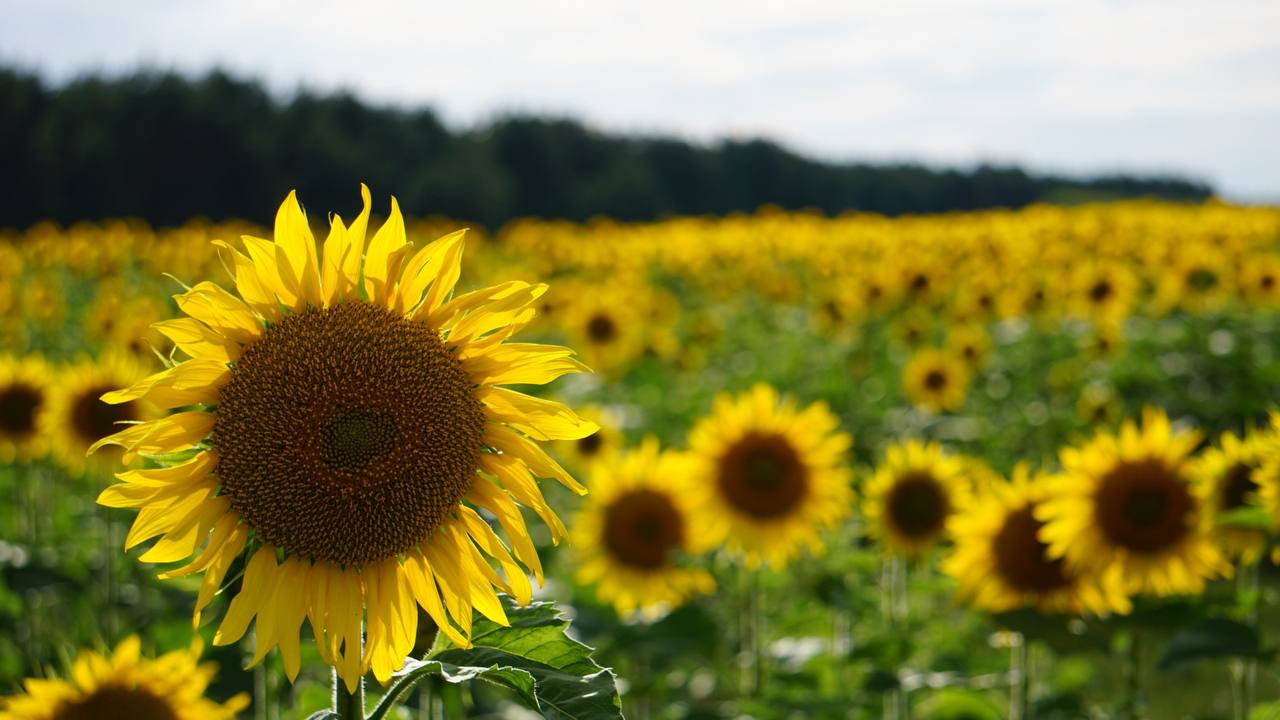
<point x="1076" y="86"/>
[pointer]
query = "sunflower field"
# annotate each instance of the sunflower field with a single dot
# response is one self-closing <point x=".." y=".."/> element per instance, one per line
<point x="1003" y="464"/>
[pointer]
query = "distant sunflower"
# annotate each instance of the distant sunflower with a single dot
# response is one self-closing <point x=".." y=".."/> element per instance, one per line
<point x="76" y="417"/>
<point x="911" y="496"/>
<point x="599" y="445"/>
<point x="772" y="474"/>
<point x="1000" y="563"/>
<point x="638" y="524"/>
<point x="609" y="327"/>
<point x="346" y="420"/>
<point x="125" y="686"/>
<point x="1259" y="279"/>
<point x="1103" y="290"/>
<point x="936" y="381"/>
<point x="1225" y="478"/>
<point x="1125" y="506"/>
<point x="24" y="392"/>
<point x="970" y="343"/>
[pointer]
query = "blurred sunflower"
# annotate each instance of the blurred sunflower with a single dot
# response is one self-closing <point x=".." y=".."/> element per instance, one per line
<point x="76" y="417"/>
<point x="637" y="524"/>
<point x="1104" y="340"/>
<point x="772" y="474"/>
<point x="347" y="418"/>
<point x="1267" y="476"/>
<point x="1197" y="279"/>
<point x="44" y="302"/>
<point x="936" y="380"/>
<point x="605" y="442"/>
<point x="609" y="325"/>
<point x="1125" y="506"/>
<point x="913" y="326"/>
<point x="125" y="686"/>
<point x="911" y="496"/>
<point x="25" y="386"/>
<point x="1000" y="563"/>
<point x="969" y="342"/>
<point x="1102" y="290"/>
<point x="1259" y="279"/>
<point x="1225" y="480"/>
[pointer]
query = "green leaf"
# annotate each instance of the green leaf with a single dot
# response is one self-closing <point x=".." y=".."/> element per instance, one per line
<point x="548" y="671"/>
<point x="1248" y="518"/>
<point x="323" y="715"/>
<point x="1209" y="638"/>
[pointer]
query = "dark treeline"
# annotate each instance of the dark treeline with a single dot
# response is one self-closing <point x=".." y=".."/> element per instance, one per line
<point x="166" y="148"/>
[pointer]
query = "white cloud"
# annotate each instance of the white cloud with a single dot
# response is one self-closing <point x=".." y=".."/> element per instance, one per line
<point x="1076" y="84"/>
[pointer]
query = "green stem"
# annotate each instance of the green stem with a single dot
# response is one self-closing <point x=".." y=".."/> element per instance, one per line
<point x="1134" y="701"/>
<point x="1019" y="679"/>
<point x="347" y="705"/>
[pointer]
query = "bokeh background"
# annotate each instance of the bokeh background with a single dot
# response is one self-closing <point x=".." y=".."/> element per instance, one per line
<point x="813" y="195"/>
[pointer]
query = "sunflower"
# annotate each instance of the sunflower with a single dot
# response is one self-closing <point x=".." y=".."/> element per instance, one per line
<point x="1103" y="290"/>
<point x="1125" y="506"/>
<point x="609" y="325"/>
<point x="772" y="475"/>
<point x="1225" y="478"/>
<point x="1000" y="563"/>
<point x="76" y="416"/>
<point x="969" y="342"/>
<point x="638" y="523"/>
<point x="24" y="391"/>
<point x="911" y="495"/>
<point x="599" y="445"/>
<point x="345" y="423"/>
<point x="1259" y="279"/>
<point x="125" y="686"/>
<point x="936" y="380"/>
<point x="1267" y="475"/>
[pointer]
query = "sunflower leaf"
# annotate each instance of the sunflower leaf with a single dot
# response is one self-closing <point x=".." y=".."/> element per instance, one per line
<point x="1211" y="638"/>
<point x="1248" y="518"/>
<point x="548" y="671"/>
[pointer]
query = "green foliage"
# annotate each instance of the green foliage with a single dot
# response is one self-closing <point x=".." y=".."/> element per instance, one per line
<point x="110" y="147"/>
<point x="546" y="670"/>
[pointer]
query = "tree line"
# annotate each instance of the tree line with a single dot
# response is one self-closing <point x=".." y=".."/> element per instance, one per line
<point x="166" y="148"/>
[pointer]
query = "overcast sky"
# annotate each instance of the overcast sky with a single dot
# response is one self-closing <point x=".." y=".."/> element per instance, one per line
<point x="1081" y="86"/>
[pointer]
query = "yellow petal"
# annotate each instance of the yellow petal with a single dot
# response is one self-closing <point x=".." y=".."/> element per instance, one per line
<point x="251" y="284"/>
<point x="198" y="340"/>
<point x="423" y="270"/>
<point x="293" y="235"/>
<point x="223" y="312"/>
<point x="378" y="281"/>
<point x="167" y="435"/>
<point x="188" y="383"/>
<point x="538" y="418"/>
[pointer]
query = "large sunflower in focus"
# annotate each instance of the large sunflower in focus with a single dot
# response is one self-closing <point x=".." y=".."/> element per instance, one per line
<point x="343" y="424"/>
<point x="125" y="686"/>
<point x="1225" y="479"/>
<point x="1125" y="505"/>
<point x="24" y="391"/>
<point x="76" y="416"/>
<point x="1000" y="563"/>
<point x="772" y="474"/>
<point x="636" y="525"/>
<point x="911" y="496"/>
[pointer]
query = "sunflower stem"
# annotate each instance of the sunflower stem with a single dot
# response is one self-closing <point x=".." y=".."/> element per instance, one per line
<point x="1133" y="701"/>
<point x="347" y="705"/>
<point x="1019" y="679"/>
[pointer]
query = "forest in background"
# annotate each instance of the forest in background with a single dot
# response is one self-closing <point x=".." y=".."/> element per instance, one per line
<point x="166" y="148"/>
